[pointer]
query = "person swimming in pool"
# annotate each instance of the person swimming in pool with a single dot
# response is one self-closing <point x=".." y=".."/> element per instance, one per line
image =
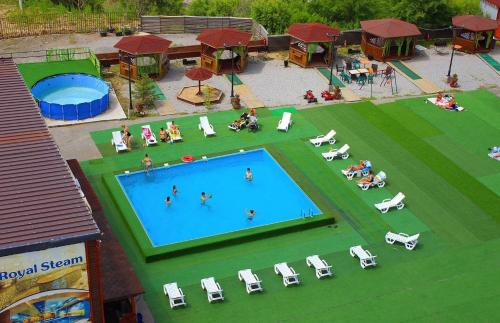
<point x="250" y="214"/>
<point x="168" y="201"/>
<point x="205" y="197"/>
<point x="147" y="162"/>
<point x="248" y="175"/>
<point x="174" y="190"/>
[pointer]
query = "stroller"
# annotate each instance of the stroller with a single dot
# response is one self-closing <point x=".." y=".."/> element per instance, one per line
<point x="378" y="181"/>
<point x="241" y="123"/>
<point x="364" y="171"/>
<point x="309" y="96"/>
<point x="252" y="124"/>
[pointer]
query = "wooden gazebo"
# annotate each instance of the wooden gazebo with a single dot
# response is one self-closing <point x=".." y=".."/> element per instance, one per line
<point x="388" y="39"/>
<point x="474" y="33"/>
<point x="311" y="44"/>
<point x="147" y="55"/>
<point x="221" y="45"/>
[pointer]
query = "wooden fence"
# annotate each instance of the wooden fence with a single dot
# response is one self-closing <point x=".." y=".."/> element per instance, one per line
<point x="191" y="24"/>
<point x="21" y="25"/>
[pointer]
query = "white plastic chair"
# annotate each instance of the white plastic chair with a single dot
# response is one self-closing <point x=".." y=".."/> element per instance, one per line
<point x="285" y="121"/>
<point x="337" y="153"/>
<point x="410" y="242"/>
<point x="174" y="294"/>
<point x="206" y="126"/>
<point x="213" y="289"/>
<point x="396" y="201"/>
<point x="366" y="259"/>
<point x="320" y="266"/>
<point x="290" y="277"/>
<point x="252" y="282"/>
<point x="319" y="140"/>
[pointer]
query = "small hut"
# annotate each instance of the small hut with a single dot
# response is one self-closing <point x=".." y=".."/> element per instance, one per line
<point x="147" y="55"/>
<point x="388" y="39"/>
<point x="311" y="44"/>
<point x="221" y="45"/>
<point x="474" y="33"/>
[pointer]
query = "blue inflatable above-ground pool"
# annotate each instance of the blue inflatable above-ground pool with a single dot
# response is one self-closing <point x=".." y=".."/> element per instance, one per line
<point x="71" y="96"/>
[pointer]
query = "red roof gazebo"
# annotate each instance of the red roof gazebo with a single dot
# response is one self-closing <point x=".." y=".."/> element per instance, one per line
<point x="389" y="39"/>
<point x="220" y="46"/>
<point x="474" y="33"/>
<point x="311" y="44"/>
<point x="147" y="55"/>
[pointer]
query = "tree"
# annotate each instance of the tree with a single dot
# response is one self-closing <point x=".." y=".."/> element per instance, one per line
<point x="224" y="8"/>
<point x="272" y="14"/>
<point x="144" y="93"/>
<point x="424" y="13"/>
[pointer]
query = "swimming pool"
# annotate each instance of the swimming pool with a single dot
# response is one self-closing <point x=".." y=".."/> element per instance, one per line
<point x="71" y="96"/>
<point x="272" y="194"/>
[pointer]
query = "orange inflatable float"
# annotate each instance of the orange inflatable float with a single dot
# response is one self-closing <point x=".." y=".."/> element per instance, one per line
<point x="187" y="158"/>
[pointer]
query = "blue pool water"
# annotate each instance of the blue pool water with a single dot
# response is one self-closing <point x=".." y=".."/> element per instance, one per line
<point x="272" y="194"/>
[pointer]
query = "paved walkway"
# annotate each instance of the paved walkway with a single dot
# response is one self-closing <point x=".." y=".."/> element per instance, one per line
<point x="422" y="83"/>
<point x="247" y="96"/>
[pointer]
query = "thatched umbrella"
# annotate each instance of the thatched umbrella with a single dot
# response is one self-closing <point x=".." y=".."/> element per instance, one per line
<point x="199" y="74"/>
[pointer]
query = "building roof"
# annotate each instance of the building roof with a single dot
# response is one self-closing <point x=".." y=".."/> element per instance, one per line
<point x="312" y="32"/>
<point x="474" y="23"/>
<point x="143" y="44"/>
<point x="220" y="37"/>
<point x="115" y="267"/>
<point x="40" y="204"/>
<point x="390" y="28"/>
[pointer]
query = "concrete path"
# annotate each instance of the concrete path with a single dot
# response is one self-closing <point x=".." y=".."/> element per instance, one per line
<point x="423" y="84"/>
<point x="247" y="96"/>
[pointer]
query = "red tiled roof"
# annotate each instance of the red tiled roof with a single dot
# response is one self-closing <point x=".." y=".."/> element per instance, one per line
<point x="474" y="23"/>
<point x="144" y="44"/>
<point x="118" y="278"/>
<point x="312" y="32"/>
<point x="389" y="28"/>
<point x="219" y="37"/>
<point x="40" y="203"/>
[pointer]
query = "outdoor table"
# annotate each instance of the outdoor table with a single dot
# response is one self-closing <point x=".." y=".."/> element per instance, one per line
<point x="362" y="71"/>
<point x="354" y="74"/>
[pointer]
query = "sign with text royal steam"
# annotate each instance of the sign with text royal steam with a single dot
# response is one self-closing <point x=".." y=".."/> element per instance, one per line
<point x="45" y="286"/>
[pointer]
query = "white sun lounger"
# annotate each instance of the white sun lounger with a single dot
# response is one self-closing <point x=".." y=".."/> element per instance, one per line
<point x="289" y="275"/>
<point x="117" y="141"/>
<point x="208" y="129"/>
<point x="337" y="153"/>
<point x="396" y="201"/>
<point x="252" y="282"/>
<point x="365" y="257"/>
<point x="148" y="136"/>
<point x="285" y="121"/>
<point x="214" y="291"/>
<point x="320" y="265"/>
<point x="173" y="136"/>
<point x="174" y="294"/>
<point x="319" y="140"/>
<point x="410" y="242"/>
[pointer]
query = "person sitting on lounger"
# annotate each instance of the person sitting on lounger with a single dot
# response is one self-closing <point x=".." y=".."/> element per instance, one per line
<point x="174" y="129"/>
<point x="164" y="136"/>
<point x="253" y="113"/>
<point x="147" y="162"/>
<point x="127" y="138"/>
<point x="252" y="123"/>
<point x="355" y="168"/>
<point x="451" y="105"/>
<point x="366" y="180"/>
<point x="439" y="97"/>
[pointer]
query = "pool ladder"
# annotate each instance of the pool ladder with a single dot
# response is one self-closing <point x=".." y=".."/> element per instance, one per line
<point x="304" y="214"/>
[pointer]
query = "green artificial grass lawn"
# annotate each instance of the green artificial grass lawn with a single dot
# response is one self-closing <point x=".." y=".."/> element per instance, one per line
<point x="34" y="72"/>
<point x="437" y="158"/>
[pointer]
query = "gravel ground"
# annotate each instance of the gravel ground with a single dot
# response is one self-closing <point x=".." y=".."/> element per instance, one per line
<point x="276" y="85"/>
<point x="175" y="80"/>
<point x="472" y="71"/>
<point x="97" y="43"/>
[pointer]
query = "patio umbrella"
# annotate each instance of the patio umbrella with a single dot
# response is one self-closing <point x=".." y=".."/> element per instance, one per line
<point x="199" y="74"/>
